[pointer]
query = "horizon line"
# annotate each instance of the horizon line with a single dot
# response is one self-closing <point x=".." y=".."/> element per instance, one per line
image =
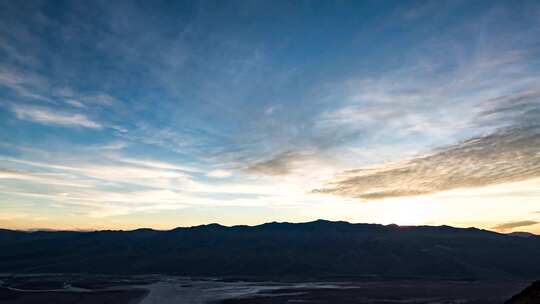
<point x="30" y="230"/>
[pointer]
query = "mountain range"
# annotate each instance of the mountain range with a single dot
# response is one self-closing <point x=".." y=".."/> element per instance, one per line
<point x="313" y="249"/>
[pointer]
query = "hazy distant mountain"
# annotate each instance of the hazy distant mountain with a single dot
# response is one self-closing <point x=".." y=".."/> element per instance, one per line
<point x="319" y="248"/>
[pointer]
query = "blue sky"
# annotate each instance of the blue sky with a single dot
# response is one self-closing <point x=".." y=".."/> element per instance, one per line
<point x="161" y="114"/>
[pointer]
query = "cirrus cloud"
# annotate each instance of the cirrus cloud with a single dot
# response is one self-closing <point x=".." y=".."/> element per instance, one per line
<point x="512" y="225"/>
<point x="509" y="154"/>
<point x="47" y="116"/>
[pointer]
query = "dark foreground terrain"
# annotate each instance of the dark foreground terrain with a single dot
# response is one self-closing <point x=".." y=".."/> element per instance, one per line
<point x="82" y="289"/>
<point x="72" y="289"/>
<point x="283" y="250"/>
<point x="530" y="295"/>
<point x="389" y="293"/>
<point x="71" y="297"/>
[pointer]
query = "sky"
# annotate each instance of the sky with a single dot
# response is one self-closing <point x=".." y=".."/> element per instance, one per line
<point x="128" y="114"/>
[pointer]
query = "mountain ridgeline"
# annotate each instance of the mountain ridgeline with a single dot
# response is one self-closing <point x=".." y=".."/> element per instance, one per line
<point x="313" y="249"/>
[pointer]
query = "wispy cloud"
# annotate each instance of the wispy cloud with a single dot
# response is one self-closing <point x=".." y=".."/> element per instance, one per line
<point x="510" y="154"/>
<point x="281" y="164"/>
<point x="106" y="186"/>
<point x="427" y="102"/>
<point x="26" y="85"/>
<point x="81" y="100"/>
<point x="512" y="225"/>
<point x="58" y="179"/>
<point x="75" y="103"/>
<point x="146" y="173"/>
<point x="506" y="156"/>
<point x="48" y="116"/>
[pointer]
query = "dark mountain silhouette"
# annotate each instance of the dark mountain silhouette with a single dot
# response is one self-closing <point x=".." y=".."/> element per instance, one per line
<point x="320" y="248"/>
<point x="530" y="295"/>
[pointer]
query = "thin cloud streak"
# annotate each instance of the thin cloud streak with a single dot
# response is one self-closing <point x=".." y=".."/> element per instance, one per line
<point x="48" y="117"/>
<point x="512" y="225"/>
<point x="137" y="172"/>
<point x="57" y="179"/>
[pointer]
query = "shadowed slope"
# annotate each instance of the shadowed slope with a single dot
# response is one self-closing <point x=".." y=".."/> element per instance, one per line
<point x="530" y="295"/>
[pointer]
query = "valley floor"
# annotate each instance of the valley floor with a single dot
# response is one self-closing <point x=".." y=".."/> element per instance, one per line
<point x="82" y="289"/>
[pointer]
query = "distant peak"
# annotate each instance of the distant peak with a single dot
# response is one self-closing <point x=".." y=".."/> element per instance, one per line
<point x="210" y="226"/>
